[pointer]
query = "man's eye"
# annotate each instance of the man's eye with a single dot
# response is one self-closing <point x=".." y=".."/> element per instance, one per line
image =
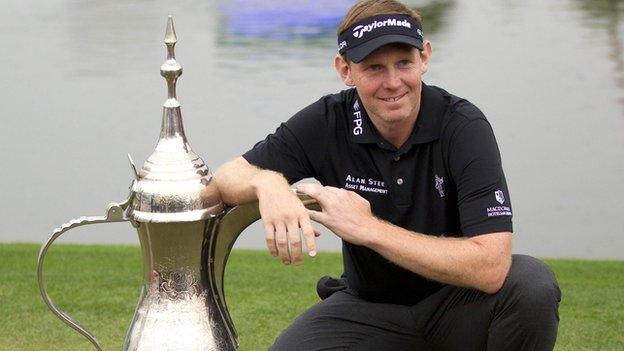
<point x="374" y="68"/>
<point x="404" y="63"/>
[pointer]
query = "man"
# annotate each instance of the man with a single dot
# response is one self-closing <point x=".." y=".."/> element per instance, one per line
<point x="412" y="182"/>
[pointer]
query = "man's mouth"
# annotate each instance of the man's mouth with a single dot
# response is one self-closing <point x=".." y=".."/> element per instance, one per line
<point x="392" y="98"/>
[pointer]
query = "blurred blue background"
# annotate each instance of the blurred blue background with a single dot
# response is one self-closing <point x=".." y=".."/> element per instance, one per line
<point x="81" y="88"/>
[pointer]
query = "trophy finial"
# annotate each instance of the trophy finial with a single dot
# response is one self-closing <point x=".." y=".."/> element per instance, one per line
<point x="170" y="35"/>
<point x="171" y="70"/>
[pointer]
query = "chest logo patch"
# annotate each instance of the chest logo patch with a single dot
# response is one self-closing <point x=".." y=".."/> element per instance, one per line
<point x="439" y="185"/>
<point x="368" y="185"/>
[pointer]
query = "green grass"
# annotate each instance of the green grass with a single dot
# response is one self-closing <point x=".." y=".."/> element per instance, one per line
<point x="99" y="285"/>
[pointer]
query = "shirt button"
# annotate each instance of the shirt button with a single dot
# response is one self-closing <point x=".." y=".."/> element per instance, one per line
<point x="400" y="181"/>
<point x="396" y="158"/>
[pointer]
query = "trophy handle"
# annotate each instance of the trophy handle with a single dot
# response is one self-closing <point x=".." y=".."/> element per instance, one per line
<point x="232" y="224"/>
<point x="114" y="213"/>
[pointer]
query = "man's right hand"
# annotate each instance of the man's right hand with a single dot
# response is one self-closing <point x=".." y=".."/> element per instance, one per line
<point x="285" y="218"/>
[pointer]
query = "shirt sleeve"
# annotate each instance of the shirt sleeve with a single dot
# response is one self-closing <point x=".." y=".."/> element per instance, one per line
<point x="297" y="147"/>
<point x="475" y="166"/>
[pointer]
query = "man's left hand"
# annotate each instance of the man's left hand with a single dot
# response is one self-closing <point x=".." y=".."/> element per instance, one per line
<point x="344" y="212"/>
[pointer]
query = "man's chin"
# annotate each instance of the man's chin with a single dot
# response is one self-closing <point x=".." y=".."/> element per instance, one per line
<point x="396" y="114"/>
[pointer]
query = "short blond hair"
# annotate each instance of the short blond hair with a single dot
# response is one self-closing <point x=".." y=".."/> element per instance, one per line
<point x="369" y="8"/>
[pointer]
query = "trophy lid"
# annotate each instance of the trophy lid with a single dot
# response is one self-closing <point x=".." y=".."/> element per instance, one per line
<point x="174" y="184"/>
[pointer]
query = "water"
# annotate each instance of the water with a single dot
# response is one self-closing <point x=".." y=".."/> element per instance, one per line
<point x="81" y="88"/>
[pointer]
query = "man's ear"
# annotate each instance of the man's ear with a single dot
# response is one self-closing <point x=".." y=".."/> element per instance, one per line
<point x="343" y="69"/>
<point x="425" y="56"/>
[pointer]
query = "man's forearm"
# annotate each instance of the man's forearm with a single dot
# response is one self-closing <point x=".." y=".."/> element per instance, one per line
<point x="239" y="181"/>
<point x="480" y="262"/>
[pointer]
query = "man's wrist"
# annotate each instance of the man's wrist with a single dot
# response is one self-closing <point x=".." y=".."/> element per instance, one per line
<point x="372" y="231"/>
<point x="267" y="180"/>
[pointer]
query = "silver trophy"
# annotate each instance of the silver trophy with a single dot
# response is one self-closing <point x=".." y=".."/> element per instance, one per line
<point x="186" y="235"/>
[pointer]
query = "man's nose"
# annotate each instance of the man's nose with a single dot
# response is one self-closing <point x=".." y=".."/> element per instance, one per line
<point x="392" y="79"/>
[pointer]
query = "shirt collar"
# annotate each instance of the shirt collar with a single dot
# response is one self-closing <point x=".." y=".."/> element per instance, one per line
<point x="433" y="106"/>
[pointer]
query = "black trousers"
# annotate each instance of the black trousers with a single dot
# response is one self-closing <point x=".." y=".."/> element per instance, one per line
<point x="523" y="315"/>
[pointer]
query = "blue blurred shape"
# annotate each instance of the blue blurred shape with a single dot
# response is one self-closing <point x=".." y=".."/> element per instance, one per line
<point x="282" y="19"/>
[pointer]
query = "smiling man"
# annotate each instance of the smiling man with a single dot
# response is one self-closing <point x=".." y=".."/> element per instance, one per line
<point x="412" y="182"/>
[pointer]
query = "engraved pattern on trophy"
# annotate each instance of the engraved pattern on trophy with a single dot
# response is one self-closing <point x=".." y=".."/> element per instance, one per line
<point x="177" y="285"/>
<point x="185" y="233"/>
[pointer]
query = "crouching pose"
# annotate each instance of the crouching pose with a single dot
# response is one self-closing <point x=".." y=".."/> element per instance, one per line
<point x="412" y="182"/>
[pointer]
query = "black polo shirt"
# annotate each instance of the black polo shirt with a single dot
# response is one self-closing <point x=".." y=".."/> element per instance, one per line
<point x="446" y="180"/>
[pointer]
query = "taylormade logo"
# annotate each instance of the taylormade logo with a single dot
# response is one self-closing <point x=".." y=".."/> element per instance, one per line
<point x="359" y="31"/>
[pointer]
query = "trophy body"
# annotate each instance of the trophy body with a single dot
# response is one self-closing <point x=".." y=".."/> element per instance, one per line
<point x="177" y="309"/>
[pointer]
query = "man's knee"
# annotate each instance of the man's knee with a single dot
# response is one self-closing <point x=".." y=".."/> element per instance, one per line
<point x="526" y="308"/>
<point x="531" y="284"/>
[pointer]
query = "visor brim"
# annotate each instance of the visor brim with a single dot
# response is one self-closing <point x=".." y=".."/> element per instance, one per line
<point x="359" y="53"/>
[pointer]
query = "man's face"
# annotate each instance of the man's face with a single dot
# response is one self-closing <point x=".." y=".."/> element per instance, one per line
<point x="388" y="82"/>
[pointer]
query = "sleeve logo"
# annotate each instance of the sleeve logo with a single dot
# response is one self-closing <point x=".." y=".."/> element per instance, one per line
<point x="500" y="197"/>
<point x="496" y="211"/>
